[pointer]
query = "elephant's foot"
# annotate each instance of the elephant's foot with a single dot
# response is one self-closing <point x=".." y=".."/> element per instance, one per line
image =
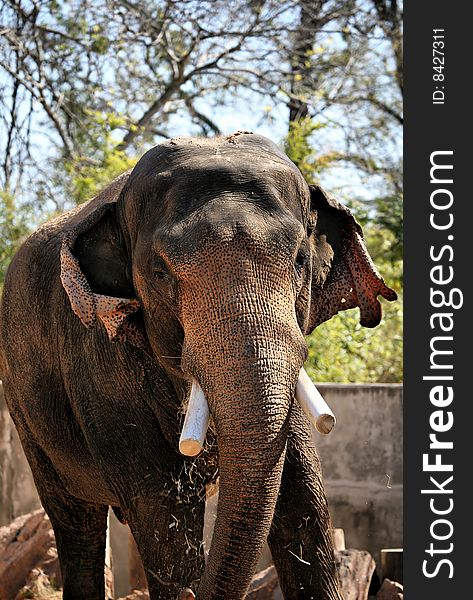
<point x="187" y="594"/>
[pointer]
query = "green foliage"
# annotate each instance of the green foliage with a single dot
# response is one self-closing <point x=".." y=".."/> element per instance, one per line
<point x="298" y="147"/>
<point x="88" y="174"/>
<point x="341" y="350"/>
<point x="86" y="179"/>
<point x="13" y="229"/>
<point x="389" y="216"/>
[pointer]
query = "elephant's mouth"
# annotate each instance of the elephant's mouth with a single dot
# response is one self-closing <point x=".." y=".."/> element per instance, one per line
<point x="197" y="417"/>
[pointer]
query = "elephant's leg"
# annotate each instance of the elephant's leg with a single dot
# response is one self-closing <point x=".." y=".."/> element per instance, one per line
<point x="168" y="531"/>
<point x="301" y="534"/>
<point x="79" y="528"/>
<point x="80" y="531"/>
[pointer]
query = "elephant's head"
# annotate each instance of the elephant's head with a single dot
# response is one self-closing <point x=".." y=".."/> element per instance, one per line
<point x="230" y="258"/>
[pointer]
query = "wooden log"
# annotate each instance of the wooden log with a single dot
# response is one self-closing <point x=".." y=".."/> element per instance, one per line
<point x="109" y="587"/>
<point x="29" y="564"/>
<point x="391" y="564"/>
<point x="39" y="585"/>
<point x="390" y="590"/>
<point x="338" y="535"/>
<point x="27" y="545"/>
<point x="265" y="586"/>
<point x="136" y="595"/>
<point x="137" y="572"/>
<point x="355" y="569"/>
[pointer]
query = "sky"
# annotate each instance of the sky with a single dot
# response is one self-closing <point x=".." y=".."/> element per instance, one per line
<point x="250" y="114"/>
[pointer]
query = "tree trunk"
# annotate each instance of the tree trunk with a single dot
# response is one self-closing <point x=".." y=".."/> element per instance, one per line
<point x="301" y="72"/>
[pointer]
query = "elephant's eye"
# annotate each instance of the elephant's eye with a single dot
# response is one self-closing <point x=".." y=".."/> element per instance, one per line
<point x="301" y="261"/>
<point x="160" y="269"/>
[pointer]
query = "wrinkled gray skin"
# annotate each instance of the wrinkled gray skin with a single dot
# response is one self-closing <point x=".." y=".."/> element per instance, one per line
<point x="211" y="259"/>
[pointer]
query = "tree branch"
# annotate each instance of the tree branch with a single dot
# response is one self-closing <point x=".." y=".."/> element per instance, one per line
<point x="389" y="19"/>
<point x="38" y="94"/>
<point x="202" y="118"/>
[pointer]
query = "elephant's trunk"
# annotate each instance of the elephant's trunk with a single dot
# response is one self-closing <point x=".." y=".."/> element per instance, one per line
<point x="243" y="344"/>
<point x="248" y="367"/>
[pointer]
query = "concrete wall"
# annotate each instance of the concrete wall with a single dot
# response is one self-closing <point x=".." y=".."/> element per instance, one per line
<point x="361" y="461"/>
<point x="17" y="490"/>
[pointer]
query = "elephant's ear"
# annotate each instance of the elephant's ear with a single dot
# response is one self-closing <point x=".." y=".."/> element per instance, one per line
<point x="344" y="275"/>
<point x="95" y="271"/>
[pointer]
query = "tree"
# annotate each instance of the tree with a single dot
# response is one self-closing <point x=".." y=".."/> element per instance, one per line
<point x="349" y="78"/>
<point x="13" y="228"/>
<point x="341" y="350"/>
<point x="133" y="69"/>
<point x="87" y="86"/>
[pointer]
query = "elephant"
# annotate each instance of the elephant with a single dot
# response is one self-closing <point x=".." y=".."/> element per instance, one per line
<point x="208" y="262"/>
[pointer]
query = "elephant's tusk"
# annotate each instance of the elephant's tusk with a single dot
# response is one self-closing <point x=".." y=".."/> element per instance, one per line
<point x="196" y="422"/>
<point x="312" y="403"/>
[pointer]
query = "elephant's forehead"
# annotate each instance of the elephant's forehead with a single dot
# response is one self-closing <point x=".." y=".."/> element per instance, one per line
<point x="190" y="190"/>
<point x="238" y="153"/>
<point x="214" y="177"/>
<point x="225" y="205"/>
<point x="238" y="142"/>
<point x="264" y="179"/>
<point x="184" y="187"/>
<point x="227" y="227"/>
<point x="238" y="167"/>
